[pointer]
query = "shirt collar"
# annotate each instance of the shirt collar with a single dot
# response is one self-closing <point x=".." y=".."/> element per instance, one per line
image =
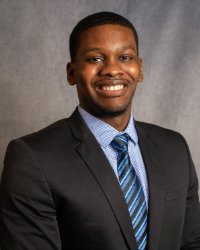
<point x="103" y="132"/>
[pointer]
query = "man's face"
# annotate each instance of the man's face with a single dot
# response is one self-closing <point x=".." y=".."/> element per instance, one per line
<point x="106" y="70"/>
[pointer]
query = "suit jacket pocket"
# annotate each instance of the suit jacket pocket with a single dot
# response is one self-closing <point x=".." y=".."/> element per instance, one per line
<point x="176" y="194"/>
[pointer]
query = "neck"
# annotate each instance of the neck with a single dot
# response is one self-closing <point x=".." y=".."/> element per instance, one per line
<point x="118" y="122"/>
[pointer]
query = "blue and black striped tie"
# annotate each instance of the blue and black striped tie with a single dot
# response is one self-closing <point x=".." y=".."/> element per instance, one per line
<point x="132" y="189"/>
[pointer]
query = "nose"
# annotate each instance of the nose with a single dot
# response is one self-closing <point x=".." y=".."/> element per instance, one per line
<point x="111" y="68"/>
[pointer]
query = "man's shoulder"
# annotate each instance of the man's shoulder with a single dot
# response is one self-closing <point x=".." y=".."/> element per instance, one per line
<point x="158" y="133"/>
<point x="56" y="127"/>
<point x="52" y="134"/>
<point x="150" y="127"/>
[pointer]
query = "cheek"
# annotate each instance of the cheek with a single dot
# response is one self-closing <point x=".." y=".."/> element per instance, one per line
<point x="86" y="74"/>
<point x="134" y="72"/>
<point x="87" y="68"/>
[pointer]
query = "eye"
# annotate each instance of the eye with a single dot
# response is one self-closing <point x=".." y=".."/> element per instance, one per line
<point x="95" y="59"/>
<point x="127" y="58"/>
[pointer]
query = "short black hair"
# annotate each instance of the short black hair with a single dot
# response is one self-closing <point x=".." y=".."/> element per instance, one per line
<point x="97" y="19"/>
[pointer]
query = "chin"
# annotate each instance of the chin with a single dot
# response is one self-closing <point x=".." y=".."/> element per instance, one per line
<point x="104" y="112"/>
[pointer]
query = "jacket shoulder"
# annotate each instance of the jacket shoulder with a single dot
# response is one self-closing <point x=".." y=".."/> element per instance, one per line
<point x="156" y="129"/>
<point x="160" y="134"/>
<point x="48" y="135"/>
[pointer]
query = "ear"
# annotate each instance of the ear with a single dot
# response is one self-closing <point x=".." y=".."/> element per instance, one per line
<point x="141" y="77"/>
<point x="70" y="68"/>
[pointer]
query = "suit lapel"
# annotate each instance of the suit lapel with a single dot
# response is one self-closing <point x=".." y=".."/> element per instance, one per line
<point x="150" y="153"/>
<point x="93" y="156"/>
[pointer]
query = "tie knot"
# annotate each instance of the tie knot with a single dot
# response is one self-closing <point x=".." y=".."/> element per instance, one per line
<point x="120" y="143"/>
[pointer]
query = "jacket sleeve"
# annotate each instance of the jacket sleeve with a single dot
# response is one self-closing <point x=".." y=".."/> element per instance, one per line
<point x="191" y="230"/>
<point x="27" y="211"/>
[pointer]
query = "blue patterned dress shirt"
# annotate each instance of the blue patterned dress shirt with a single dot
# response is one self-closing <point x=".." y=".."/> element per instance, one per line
<point x="104" y="134"/>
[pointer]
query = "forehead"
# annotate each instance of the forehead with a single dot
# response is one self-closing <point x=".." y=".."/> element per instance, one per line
<point x="106" y="35"/>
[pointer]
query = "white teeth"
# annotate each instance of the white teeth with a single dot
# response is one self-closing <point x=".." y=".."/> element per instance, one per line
<point x="112" y="88"/>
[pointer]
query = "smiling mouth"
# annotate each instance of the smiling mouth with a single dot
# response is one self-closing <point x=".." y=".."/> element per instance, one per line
<point x="111" y="87"/>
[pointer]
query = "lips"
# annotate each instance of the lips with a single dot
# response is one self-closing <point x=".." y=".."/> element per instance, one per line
<point x="111" y="88"/>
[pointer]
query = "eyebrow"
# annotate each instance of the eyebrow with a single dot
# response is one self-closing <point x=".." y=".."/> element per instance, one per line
<point x="91" y="49"/>
<point x="124" y="47"/>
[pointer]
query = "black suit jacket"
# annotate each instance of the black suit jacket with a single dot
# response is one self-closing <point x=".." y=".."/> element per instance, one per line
<point x="58" y="191"/>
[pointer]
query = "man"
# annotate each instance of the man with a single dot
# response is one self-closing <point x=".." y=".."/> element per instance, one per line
<point x="99" y="180"/>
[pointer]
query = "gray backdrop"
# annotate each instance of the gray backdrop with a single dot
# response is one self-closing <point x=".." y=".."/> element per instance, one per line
<point x="34" y="51"/>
